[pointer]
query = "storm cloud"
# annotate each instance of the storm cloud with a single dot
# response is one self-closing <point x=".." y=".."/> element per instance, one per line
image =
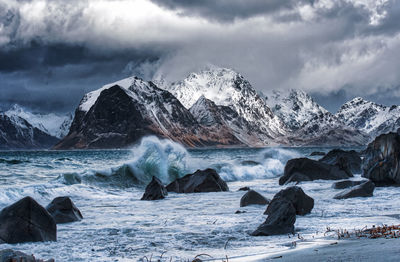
<point x="52" y="52"/>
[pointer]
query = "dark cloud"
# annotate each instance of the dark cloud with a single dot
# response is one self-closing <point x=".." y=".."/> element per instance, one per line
<point x="54" y="51"/>
<point x="229" y="10"/>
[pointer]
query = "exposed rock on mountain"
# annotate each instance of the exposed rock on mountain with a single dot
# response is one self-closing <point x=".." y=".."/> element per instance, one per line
<point x="310" y="123"/>
<point x="17" y="133"/>
<point x="121" y="113"/>
<point x="228" y="88"/>
<point x="370" y="117"/>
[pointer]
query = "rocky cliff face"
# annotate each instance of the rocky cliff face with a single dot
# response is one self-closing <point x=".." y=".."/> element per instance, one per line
<point x="121" y="113"/>
<point x="370" y="117"/>
<point x="17" y="133"/>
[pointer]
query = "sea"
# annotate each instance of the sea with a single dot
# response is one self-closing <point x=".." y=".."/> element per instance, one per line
<point x="106" y="185"/>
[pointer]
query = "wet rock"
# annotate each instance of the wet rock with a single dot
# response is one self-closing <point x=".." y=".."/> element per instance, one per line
<point x="381" y="162"/>
<point x="280" y="221"/>
<point x="246" y="188"/>
<point x="253" y="198"/>
<point x="206" y="180"/>
<point x="9" y="255"/>
<point x="317" y="153"/>
<point x="346" y="184"/>
<point x="366" y="189"/>
<point x="63" y="210"/>
<point x="250" y="163"/>
<point x="304" y="169"/>
<point x="154" y="190"/>
<point x="302" y="203"/>
<point x="343" y="158"/>
<point x="240" y="212"/>
<point x="26" y="221"/>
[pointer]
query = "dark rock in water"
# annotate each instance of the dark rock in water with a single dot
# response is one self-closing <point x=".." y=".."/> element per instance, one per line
<point x="366" y="189"/>
<point x="253" y="198"/>
<point x="347" y="183"/>
<point x="250" y="163"/>
<point x="317" y="153"/>
<point x="26" y="221"/>
<point x="154" y="190"/>
<point x="9" y="255"/>
<point x="63" y="210"/>
<point x="381" y="162"/>
<point x="246" y="188"/>
<point x="240" y="212"/>
<point x="304" y="169"/>
<point x="280" y="221"/>
<point x="341" y="158"/>
<point x="302" y="203"/>
<point x="206" y="180"/>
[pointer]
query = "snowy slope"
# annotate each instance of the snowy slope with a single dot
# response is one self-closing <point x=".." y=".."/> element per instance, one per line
<point x="310" y="123"/>
<point x="370" y="117"/>
<point x="295" y="108"/>
<point x="17" y="133"/>
<point x="53" y="124"/>
<point x="226" y="87"/>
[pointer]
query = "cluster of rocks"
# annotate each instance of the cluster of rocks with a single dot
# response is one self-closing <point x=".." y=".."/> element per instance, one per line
<point x="206" y="180"/>
<point x="27" y="221"/>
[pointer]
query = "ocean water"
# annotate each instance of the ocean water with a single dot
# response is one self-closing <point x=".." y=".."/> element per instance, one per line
<point x="106" y="185"/>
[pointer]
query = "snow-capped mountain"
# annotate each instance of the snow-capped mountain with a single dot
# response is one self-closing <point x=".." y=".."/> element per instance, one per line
<point x="226" y="87"/>
<point x="119" y="114"/>
<point x="295" y="108"/>
<point x="17" y="133"/>
<point x="310" y="123"/>
<point x="52" y="124"/>
<point x="370" y="117"/>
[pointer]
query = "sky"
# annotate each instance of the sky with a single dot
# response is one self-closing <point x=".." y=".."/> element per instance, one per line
<point x="52" y="52"/>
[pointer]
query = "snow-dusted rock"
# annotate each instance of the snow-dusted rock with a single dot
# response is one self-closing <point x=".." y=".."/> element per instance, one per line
<point x="370" y="117"/>
<point x="53" y="124"/>
<point x="228" y="88"/>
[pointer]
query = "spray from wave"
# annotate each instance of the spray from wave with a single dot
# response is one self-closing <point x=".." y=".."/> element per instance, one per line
<point x="162" y="158"/>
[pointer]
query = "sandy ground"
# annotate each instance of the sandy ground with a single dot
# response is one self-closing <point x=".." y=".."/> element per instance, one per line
<point x="342" y="250"/>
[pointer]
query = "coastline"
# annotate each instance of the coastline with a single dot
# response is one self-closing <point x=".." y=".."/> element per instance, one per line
<point x="353" y="249"/>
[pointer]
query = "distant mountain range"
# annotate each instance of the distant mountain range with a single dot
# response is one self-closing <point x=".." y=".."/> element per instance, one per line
<point x="22" y="129"/>
<point x="215" y="107"/>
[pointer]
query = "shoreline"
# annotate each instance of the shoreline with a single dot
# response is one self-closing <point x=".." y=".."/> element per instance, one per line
<point x="353" y="249"/>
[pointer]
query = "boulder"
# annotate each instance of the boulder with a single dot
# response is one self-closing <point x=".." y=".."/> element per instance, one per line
<point x="63" y="210"/>
<point x="302" y="203"/>
<point x="253" y="198"/>
<point x="304" y="169"/>
<point x="9" y="255"/>
<point x="26" y="221"/>
<point x="317" y="153"/>
<point x="154" y="190"/>
<point x="366" y="189"/>
<point x="344" y="158"/>
<point x="381" y="162"/>
<point x="245" y="188"/>
<point x="346" y="184"/>
<point x="280" y="221"/>
<point x="206" y="180"/>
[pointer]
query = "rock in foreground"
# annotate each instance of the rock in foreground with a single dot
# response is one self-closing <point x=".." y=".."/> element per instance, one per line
<point x="155" y="190"/>
<point x="336" y="157"/>
<point x="347" y="183"/>
<point x="206" y="180"/>
<point x="26" y="221"/>
<point x="302" y="203"/>
<point x="304" y="169"/>
<point x="366" y="189"/>
<point x="381" y="162"/>
<point x="253" y="198"/>
<point x="63" y="210"/>
<point x="9" y="255"/>
<point x="280" y="221"/>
